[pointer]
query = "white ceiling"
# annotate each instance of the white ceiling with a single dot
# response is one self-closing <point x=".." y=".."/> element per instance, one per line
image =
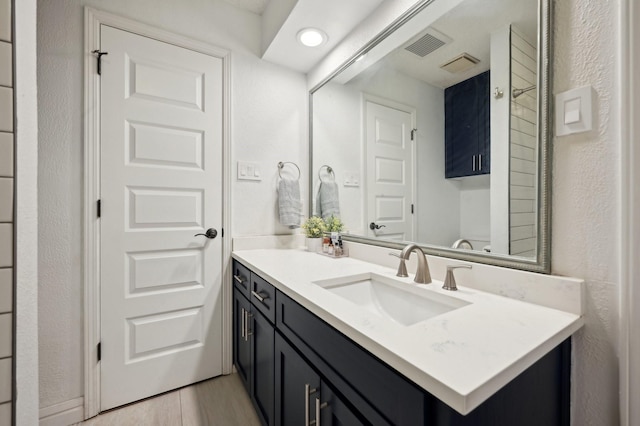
<point x="337" y="18"/>
<point x="255" y="6"/>
<point x="467" y="29"/>
<point x="469" y="26"/>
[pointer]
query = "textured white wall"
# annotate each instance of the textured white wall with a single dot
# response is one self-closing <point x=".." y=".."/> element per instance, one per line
<point x="586" y="203"/>
<point x="269" y="116"/>
<point x="585" y="199"/>
<point x="27" y="239"/>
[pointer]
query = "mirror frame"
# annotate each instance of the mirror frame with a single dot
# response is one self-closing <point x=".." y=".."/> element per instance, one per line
<point x="542" y="262"/>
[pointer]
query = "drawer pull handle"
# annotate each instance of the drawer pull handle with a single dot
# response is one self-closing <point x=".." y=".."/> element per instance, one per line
<point x="319" y="407"/>
<point x="307" y="392"/>
<point x="239" y="279"/>
<point x="261" y="297"/>
<point x="248" y="332"/>
<point x="245" y="325"/>
<point x="243" y="322"/>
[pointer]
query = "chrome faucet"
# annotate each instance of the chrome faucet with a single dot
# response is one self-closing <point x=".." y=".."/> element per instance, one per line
<point x="423" y="276"/>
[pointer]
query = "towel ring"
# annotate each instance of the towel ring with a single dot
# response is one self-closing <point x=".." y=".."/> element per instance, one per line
<point x="329" y="170"/>
<point x="281" y="166"/>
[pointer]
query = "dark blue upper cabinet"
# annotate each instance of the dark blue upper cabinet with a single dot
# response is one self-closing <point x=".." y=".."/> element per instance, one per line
<point x="467" y="127"/>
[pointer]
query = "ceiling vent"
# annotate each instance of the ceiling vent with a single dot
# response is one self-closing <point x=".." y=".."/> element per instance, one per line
<point x="460" y="63"/>
<point x="426" y="44"/>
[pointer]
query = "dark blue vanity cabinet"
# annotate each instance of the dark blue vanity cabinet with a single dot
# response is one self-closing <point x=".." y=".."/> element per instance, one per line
<point x="467" y="127"/>
<point x="253" y="338"/>
<point x="319" y="373"/>
<point x="300" y="393"/>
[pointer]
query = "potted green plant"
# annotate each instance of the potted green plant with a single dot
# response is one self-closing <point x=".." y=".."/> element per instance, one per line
<point x="333" y="224"/>
<point x="314" y="229"/>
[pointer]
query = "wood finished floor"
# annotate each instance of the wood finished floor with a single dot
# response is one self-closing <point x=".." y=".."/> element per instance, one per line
<point x="221" y="401"/>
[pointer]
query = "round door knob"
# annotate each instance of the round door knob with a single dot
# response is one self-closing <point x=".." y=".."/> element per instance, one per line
<point x="210" y="233"/>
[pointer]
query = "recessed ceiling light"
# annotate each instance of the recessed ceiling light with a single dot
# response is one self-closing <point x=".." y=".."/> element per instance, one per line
<point x="312" y="37"/>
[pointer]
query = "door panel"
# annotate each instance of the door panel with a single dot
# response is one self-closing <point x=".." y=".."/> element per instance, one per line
<point x="293" y="374"/>
<point x="336" y="412"/>
<point x="241" y="342"/>
<point x="390" y="174"/>
<point x="263" y="369"/>
<point x="162" y="146"/>
<point x="161" y="183"/>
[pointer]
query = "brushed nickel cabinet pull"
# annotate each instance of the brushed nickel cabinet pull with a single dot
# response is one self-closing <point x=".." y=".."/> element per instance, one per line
<point x="261" y="297"/>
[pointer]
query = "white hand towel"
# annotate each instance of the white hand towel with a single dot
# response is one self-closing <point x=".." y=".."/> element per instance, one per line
<point x="289" y="204"/>
<point x="327" y="202"/>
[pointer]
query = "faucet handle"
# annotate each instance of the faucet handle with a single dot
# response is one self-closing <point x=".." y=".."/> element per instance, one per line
<point x="402" y="268"/>
<point x="450" y="279"/>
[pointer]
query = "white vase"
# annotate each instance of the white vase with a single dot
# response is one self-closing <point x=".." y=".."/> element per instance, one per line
<point x="314" y="245"/>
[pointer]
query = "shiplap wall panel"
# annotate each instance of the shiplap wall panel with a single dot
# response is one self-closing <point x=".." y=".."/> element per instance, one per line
<point x="522" y="179"/>
<point x="7" y="79"/>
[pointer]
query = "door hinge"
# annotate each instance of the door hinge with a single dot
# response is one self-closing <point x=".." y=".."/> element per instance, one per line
<point x="99" y="54"/>
<point x="99" y="208"/>
<point x="99" y="349"/>
<point x="222" y="232"/>
<point x="411" y="208"/>
<point x="413" y="134"/>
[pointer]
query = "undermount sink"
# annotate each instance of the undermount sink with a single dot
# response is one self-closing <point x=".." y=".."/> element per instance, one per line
<point x="393" y="299"/>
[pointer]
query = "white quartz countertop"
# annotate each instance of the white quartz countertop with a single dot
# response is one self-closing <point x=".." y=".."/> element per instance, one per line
<point x="462" y="357"/>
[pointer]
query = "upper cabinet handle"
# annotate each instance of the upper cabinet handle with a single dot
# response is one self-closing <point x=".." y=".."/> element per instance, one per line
<point x="238" y="278"/>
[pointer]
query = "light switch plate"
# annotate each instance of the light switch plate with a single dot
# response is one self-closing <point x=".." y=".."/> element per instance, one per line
<point x="352" y="179"/>
<point x="248" y="171"/>
<point x="574" y="111"/>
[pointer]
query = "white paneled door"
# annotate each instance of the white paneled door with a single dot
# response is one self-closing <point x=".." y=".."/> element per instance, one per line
<point x="161" y="183"/>
<point x="390" y="172"/>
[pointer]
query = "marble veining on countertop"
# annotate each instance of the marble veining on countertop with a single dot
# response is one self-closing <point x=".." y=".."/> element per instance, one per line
<point x="462" y="357"/>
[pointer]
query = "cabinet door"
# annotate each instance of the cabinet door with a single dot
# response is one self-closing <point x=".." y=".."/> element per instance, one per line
<point x="241" y="342"/>
<point x="262" y="377"/>
<point x="461" y="123"/>
<point x="332" y="409"/>
<point x="467" y="127"/>
<point x="483" y="93"/>
<point x="297" y="385"/>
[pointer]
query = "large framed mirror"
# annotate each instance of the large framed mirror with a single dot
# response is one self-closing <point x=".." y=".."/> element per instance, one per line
<point x="437" y="132"/>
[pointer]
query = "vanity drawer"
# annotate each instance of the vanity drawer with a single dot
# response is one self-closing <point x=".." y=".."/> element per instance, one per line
<point x="242" y="278"/>
<point x="263" y="297"/>
<point x="396" y="400"/>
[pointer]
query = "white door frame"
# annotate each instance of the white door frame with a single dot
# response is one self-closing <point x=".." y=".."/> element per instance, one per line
<point x="629" y="91"/>
<point x="366" y="97"/>
<point x="93" y="20"/>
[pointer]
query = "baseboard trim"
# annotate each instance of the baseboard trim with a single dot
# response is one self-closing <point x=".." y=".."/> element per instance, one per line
<point x="63" y="414"/>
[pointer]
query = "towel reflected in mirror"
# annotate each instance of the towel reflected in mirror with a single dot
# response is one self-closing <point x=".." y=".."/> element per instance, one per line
<point x="327" y="200"/>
